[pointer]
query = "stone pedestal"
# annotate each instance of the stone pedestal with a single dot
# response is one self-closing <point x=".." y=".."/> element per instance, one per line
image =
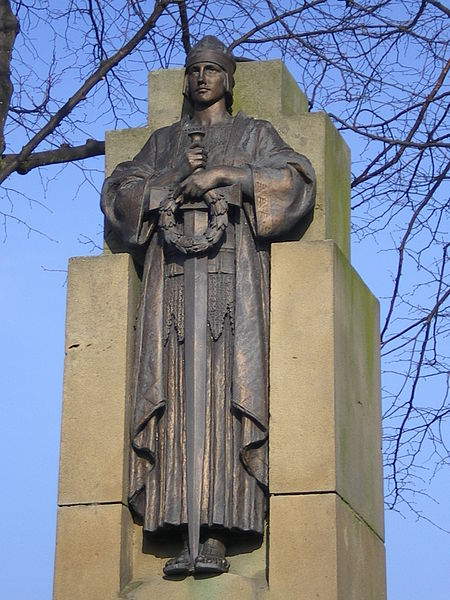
<point x="325" y="528"/>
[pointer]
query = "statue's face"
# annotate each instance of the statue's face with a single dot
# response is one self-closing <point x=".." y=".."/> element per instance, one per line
<point x="206" y="83"/>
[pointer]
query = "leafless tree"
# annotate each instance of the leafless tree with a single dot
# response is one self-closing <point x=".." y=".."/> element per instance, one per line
<point x="378" y="67"/>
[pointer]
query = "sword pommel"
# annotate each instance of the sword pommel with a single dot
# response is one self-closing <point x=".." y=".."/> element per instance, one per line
<point x="196" y="134"/>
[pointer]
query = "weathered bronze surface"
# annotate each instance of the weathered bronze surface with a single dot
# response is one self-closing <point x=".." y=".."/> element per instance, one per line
<point x="201" y="202"/>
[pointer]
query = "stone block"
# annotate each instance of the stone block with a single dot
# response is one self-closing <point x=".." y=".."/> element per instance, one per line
<point x="262" y="90"/>
<point x="165" y="98"/>
<point x="361" y="557"/>
<point x="122" y="145"/>
<point x="324" y="379"/>
<point x="102" y="297"/>
<point x="319" y="548"/>
<point x="302" y="453"/>
<point x="315" y="136"/>
<point x="266" y="89"/>
<point x="226" y="587"/>
<point x="91" y="552"/>
<point x="357" y="381"/>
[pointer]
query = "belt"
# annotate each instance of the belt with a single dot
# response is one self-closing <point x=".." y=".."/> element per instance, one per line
<point x="222" y="262"/>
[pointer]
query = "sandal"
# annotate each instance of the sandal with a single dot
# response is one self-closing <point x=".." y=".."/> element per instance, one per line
<point x="212" y="558"/>
<point x="180" y="565"/>
<point x="211" y="564"/>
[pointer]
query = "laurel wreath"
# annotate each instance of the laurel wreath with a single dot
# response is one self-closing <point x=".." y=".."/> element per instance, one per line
<point x="186" y="244"/>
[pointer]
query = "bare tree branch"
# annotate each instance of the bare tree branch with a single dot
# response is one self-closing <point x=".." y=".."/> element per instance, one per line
<point x="273" y="20"/>
<point x="185" y="36"/>
<point x="433" y="312"/>
<point x="63" y="154"/>
<point x="368" y="173"/>
<point x="362" y="130"/>
<point x="401" y="249"/>
<point x="83" y="91"/>
<point x="440" y="6"/>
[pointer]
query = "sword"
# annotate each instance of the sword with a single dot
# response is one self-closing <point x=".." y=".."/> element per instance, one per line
<point x="195" y="357"/>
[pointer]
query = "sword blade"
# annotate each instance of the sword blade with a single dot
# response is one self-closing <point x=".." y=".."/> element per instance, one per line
<point x="195" y="357"/>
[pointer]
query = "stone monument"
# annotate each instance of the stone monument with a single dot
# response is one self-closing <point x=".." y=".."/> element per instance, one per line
<point x="323" y="536"/>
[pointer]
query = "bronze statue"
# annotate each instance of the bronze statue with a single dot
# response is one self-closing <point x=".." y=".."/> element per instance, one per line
<point x="199" y="205"/>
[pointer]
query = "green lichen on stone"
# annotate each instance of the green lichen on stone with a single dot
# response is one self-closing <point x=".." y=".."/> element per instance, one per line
<point x="267" y="90"/>
<point x="357" y="394"/>
<point x="293" y="100"/>
<point x="369" y="336"/>
<point x="337" y="174"/>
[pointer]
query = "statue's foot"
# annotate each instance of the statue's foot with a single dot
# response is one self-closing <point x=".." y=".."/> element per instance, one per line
<point x="180" y="565"/>
<point x="212" y="558"/>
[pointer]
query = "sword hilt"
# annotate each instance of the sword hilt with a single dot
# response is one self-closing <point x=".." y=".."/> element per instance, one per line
<point x="197" y="134"/>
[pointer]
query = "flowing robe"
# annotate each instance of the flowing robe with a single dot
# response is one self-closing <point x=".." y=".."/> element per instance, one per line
<point x="235" y="472"/>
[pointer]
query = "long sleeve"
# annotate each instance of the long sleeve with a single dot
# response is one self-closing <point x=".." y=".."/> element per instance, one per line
<point x="126" y="193"/>
<point x="125" y="197"/>
<point x="284" y="185"/>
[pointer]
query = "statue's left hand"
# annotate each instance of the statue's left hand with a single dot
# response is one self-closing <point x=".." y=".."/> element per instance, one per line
<point x="203" y="180"/>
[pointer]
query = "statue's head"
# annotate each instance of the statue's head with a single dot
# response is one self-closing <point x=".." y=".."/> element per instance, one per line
<point x="212" y="50"/>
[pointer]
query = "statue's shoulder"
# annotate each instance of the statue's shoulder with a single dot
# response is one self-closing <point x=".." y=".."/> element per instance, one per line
<point x="167" y="130"/>
<point x="259" y="125"/>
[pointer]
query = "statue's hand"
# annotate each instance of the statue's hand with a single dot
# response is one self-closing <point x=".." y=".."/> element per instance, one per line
<point x="194" y="158"/>
<point x="200" y="182"/>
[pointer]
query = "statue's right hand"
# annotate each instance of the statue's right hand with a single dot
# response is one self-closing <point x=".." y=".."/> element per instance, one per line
<point x="194" y="158"/>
